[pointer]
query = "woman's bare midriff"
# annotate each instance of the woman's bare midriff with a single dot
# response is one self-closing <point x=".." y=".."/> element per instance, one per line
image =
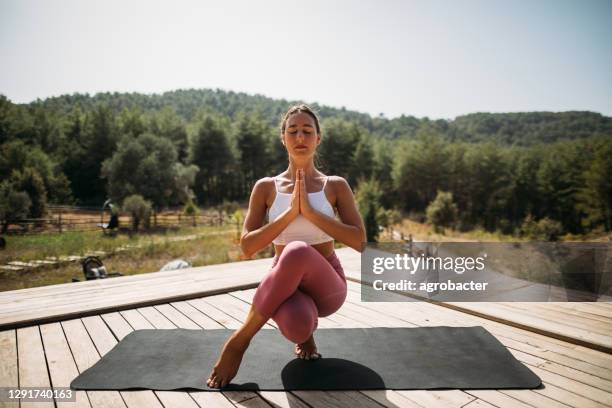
<point x="325" y="248"/>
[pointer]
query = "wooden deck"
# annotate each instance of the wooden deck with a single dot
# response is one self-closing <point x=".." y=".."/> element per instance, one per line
<point x="47" y="340"/>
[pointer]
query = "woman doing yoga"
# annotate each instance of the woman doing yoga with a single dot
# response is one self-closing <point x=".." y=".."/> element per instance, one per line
<point x="306" y="280"/>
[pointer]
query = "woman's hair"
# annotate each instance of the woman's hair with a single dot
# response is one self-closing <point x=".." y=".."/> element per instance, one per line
<point x="300" y="108"/>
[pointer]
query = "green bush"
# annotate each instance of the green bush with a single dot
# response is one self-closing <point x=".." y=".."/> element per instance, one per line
<point x="542" y="230"/>
<point x="442" y="211"/>
<point x="190" y="208"/>
<point x="139" y="209"/>
<point x="14" y="205"/>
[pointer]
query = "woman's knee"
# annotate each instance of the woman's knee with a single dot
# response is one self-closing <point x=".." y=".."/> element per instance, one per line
<point x="297" y="317"/>
<point x="296" y="252"/>
<point x="298" y="331"/>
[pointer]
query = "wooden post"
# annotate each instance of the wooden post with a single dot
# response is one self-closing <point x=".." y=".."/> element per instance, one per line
<point x="59" y="223"/>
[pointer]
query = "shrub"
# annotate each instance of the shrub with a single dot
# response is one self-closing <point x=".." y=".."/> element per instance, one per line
<point x="442" y="211"/>
<point x="545" y="229"/>
<point x="14" y="205"/>
<point x="139" y="209"/>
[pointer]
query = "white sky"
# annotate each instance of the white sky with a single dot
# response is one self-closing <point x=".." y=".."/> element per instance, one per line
<point x="424" y="58"/>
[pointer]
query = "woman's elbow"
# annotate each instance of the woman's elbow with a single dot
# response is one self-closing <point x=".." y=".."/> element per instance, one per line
<point x="360" y="243"/>
<point x="245" y="247"/>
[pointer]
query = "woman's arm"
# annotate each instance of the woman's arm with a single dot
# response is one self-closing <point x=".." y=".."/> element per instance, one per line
<point x="351" y="231"/>
<point x="256" y="236"/>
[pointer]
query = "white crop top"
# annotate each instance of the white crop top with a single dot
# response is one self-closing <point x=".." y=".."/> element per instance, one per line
<point x="301" y="229"/>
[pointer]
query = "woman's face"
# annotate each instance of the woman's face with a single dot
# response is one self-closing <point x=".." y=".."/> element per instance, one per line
<point x="301" y="137"/>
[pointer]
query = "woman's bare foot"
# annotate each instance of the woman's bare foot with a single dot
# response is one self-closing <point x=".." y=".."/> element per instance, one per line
<point x="307" y="350"/>
<point x="227" y="366"/>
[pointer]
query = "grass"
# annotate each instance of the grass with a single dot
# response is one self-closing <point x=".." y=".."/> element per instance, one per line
<point x="218" y="247"/>
<point x="31" y="247"/>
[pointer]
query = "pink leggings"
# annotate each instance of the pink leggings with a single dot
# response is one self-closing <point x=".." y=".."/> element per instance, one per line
<point x="301" y="285"/>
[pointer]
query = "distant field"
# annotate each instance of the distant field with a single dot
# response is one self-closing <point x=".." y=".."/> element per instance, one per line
<point x="219" y="245"/>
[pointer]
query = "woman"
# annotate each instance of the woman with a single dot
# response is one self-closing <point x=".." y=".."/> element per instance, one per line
<point x="306" y="279"/>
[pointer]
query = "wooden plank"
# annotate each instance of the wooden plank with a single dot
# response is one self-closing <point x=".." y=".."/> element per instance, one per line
<point x="201" y="273"/>
<point x="62" y="367"/>
<point x="559" y="311"/>
<point x="136" y="319"/>
<point x="282" y="399"/>
<point x="562" y="395"/>
<point x="85" y="355"/>
<point x="178" y="318"/>
<point x="438" y="398"/>
<point x="233" y="306"/>
<point x="220" y="317"/>
<point x="498" y="399"/>
<point x="390" y="398"/>
<point x="197" y="316"/>
<point x="576" y="387"/>
<point x="479" y="404"/>
<point x="158" y="320"/>
<point x="9" y="376"/>
<point x="32" y="363"/>
<point x="552" y="318"/>
<point x="207" y="399"/>
<point x="339" y="399"/>
<point x="533" y="399"/>
<point x="101" y="303"/>
<point x="119" y="326"/>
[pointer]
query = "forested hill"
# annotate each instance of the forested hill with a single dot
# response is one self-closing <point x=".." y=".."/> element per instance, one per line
<point x="523" y="129"/>
<point x="542" y="171"/>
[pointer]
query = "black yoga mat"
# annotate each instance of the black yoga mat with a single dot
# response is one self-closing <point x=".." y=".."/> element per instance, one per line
<point x="352" y="359"/>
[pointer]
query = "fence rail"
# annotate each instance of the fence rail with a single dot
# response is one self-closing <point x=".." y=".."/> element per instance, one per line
<point x="66" y="218"/>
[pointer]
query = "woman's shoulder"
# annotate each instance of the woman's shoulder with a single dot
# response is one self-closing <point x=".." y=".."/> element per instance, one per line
<point x="263" y="190"/>
<point x="337" y="183"/>
<point x="264" y="184"/>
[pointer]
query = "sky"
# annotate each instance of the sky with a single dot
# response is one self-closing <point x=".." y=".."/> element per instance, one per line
<point x="438" y="59"/>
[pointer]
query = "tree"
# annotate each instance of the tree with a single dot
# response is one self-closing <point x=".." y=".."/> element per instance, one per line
<point x="16" y="156"/>
<point x="251" y="144"/>
<point x="420" y="170"/>
<point x="210" y="151"/>
<point x="363" y="160"/>
<point x="144" y="166"/>
<point x="595" y="198"/>
<point x="14" y="205"/>
<point x="368" y="200"/>
<point x="99" y="136"/>
<point x="338" y="141"/>
<point x="559" y="180"/>
<point x="171" y="126"/>
<point x="29" y="181"/>
<point x="382" y="173"/>
<point x="442" y="211"/>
